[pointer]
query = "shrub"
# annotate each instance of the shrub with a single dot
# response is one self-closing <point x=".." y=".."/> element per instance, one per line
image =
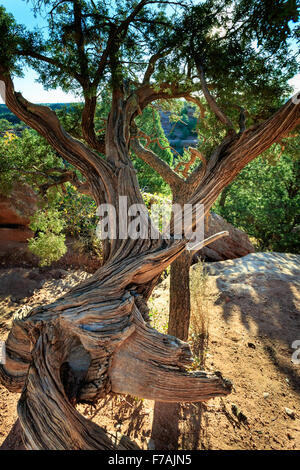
<point x="48" y="243"/>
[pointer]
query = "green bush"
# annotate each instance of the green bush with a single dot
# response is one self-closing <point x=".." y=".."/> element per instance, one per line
<point x="48" y="247"/>
<point x="264" y="201"/>
<point x="49" y="243"/>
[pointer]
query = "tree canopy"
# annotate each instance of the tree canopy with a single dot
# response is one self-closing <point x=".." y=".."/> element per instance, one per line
<point x="244" y="50"/>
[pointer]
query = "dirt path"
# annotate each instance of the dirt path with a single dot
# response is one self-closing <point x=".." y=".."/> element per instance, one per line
<point x="251" y="328"/>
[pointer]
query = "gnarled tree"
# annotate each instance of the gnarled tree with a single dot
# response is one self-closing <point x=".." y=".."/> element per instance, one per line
<point x="96" y="339"/>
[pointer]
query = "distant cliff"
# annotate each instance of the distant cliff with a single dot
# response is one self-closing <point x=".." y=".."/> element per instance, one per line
<point x="181" y="134"/>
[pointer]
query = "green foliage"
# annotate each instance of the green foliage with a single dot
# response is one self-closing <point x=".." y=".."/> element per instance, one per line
<point x="47" y="221"/>
<point x="11" y="35"/>
<point x="163" y="206"/>
<point x="78" y="212"/>
<point x="264" y="201"/>
<point x="149" y="180"/>
<point x="48" y="247"/>
<point x="10" y="123"/>
<point x="26" y="158"/>
<point x="49" y="243"/>
<point x="245" y="50"/>
<point x="184" y="126"/>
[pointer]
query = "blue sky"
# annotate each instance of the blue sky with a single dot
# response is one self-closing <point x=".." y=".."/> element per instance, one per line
<point x="28" y="86"/>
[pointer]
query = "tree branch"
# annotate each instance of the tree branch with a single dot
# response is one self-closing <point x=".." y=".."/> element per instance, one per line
<point x="147" y="94"/>
<point x="46" y="123"/>
<point x="162" y="168"/>
<point x="195" y="178"/>
<point x="79" y="40"/>
<point x="151" y="65"/>
<point x="51" y="61"/>
<point x="211" y="101"/>
<point x="197" y="102"/>
<point x="237" y="151"/>
<point x="88" y="125"/>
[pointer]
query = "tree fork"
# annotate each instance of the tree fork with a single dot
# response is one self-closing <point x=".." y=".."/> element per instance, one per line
<point x="96" y="339"/>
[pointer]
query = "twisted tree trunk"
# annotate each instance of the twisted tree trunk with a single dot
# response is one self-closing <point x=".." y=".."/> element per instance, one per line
<point x="93" y="341"/>
<point x="96" y="339"/>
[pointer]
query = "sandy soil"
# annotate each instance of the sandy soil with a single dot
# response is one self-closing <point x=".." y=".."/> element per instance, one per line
<point x="251" y="327"/>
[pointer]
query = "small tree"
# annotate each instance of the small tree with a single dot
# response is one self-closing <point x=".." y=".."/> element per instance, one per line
<point x="96" y="339"/>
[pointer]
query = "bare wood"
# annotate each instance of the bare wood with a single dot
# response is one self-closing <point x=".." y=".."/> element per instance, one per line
<point x="209" y="240"/>
<point x="48" y="418"/>
<point x="75" y="350"/>
<point x="89" y="343"/>
<point x="150" y="365"/>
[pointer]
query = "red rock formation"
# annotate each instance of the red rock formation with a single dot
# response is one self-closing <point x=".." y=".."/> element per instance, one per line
<point x="18" y="207"/>
<point x="236" y="245"/>
<point x="15" y="212"/>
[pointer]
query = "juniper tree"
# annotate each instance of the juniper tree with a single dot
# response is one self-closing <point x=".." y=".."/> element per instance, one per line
<point x="96" y="339"/>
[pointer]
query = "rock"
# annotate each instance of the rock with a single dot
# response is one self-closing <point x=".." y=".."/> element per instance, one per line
<point x="290" y="413"/>
<point x="266" y="395"/>
<point x="261" y="267"/>
<point x="17" y="284"/>
<point x="15" y="212"/>
<point x="18" y="207"/>
<point x="235" y="245"/>
<point x="18" y="234"/>
<point x="255" y="272"/>
<point x="59" y="273"/>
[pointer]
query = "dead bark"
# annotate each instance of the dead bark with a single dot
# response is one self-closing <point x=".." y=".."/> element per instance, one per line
<point x="91" y="342"/>
<point x="180" y="303"/>
<point x="96" y="339"/>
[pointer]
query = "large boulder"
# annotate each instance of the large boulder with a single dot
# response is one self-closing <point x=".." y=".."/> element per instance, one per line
<point x="15" y="212"/>
<point x="18" y="207"/>
<point x="236" y="245"/>
<point x="262" y="288"/>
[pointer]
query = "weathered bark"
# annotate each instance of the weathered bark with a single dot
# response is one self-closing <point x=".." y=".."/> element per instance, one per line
<point x="96" y="339"/>
<point x="180" y="304"/>
<point x="91" y="342"/>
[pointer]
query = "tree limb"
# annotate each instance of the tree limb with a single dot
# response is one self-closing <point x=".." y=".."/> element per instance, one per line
<point x="51" y="61"/>
<point x="47" y="124"/>
<point x="88" y="125"/>
<point x="162" y="168"/>
<point x="211" y="101"/>
<point x="151" y="65"/>
<point x="196" y="101"/>
<point x="237" y="151"/>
